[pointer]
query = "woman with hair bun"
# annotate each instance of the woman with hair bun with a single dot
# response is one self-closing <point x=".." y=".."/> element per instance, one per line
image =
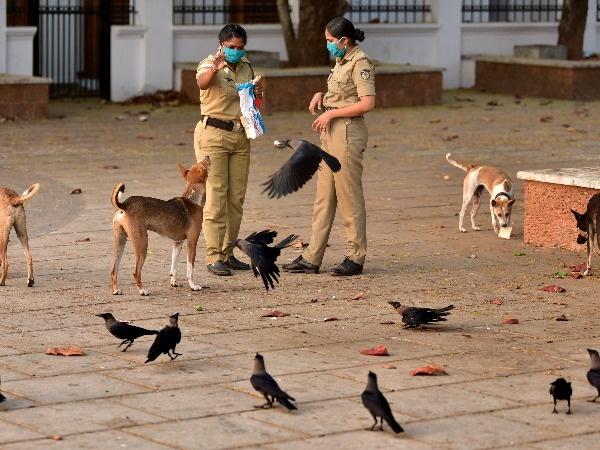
<point x="350" y="95"/>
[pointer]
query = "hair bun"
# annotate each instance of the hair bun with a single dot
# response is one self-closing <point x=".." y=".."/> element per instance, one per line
<point x="359" y="35"/>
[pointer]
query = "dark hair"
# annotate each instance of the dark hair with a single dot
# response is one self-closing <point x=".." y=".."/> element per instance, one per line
<point x="342" y="27"/>
<point x="232" y="30"/>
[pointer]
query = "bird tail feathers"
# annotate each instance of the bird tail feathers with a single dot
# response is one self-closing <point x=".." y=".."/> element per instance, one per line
<point x="285" y="402"/>
<point x="394" y="425"/>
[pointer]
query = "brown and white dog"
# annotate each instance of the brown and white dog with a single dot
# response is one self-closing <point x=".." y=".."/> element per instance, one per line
<point x="587" y="225"/>
<point x="12" y="214"/>
<point x="177" y="219"/>
<point x="497" y="183"/>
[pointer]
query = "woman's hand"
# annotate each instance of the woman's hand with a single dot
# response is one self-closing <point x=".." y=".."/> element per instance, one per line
<point x="258" y="89"/>
<point x="218" y="62"/>
<point x="322" y="122"/>
<point x="316" y="103"/>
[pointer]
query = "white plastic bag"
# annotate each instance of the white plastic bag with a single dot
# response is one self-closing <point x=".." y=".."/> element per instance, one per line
<point x="251" y="119"/>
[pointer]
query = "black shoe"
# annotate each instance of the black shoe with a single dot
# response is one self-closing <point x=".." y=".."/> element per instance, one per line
<point x="219" y="268"/>
<point x="235" y="264"/>
<point x="347" y="268"/>
<point x="300" y="265"/>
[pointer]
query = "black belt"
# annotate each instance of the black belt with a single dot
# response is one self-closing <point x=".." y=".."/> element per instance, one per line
<point x="328" y="108"/>
<point x="227" y="125"/>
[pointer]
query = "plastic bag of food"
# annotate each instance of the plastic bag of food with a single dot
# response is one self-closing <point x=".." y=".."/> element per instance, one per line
<point x="251" y="119"/>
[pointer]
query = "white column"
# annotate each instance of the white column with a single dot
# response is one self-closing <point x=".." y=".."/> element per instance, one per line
<point x="295" y="13"/>
<point x="2" y="36"/>
<point x="19" y="50"/>
<point x="590" y="42"/>
<point x="157" y="18"/>
<point x="447" y="46"/>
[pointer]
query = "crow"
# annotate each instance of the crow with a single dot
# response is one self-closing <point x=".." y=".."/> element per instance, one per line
<point x="560" y="389"/>
<point x="2" y="397"/>
<point x="414" y="317"/>
<point x="593" y="374"/>
<point x="123" y="330"/>
<point x="300" y="168"/>
<point x="166" y="340"/>
<point x="263" y="257"/>
<point x="264" y="383"/>
<point x="378" y="406"/>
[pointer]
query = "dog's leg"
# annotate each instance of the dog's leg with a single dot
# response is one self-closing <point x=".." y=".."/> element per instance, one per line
<point x="119" y="241"/>
<point x="590" y="250"/>
<point x="4" y="232"/>
<point x="474" y="209"/>
<point x="21" y="230"/>
<point x="495" y="223"/>
<point x="174" y="258"/>
<point x="469" y="188"/>
<point x="191" y="259"/>
<point x="140" y="244"/>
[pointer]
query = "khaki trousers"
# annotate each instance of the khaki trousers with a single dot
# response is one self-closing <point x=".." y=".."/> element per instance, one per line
<point x="229" y="153"/>
<point x="346" y="139"/>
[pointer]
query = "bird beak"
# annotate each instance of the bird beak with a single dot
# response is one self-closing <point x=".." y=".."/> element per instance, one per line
<point x="99" y="315"/>
<point x="281" y="144"/>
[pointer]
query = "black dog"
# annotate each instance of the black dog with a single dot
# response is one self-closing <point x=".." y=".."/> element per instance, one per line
<point x="587" y="224"/>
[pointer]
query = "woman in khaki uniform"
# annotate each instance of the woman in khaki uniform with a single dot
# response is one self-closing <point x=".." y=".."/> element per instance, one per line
<point x="350" y="95"/>
<point x="219" y="134"/>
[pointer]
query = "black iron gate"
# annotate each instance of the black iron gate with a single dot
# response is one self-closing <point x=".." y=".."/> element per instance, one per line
<point x="72" y="45"/>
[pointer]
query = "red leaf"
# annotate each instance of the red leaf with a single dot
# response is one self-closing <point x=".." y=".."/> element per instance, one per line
<point x="496" y="301"/>
<point x="576" y="275"/>
<point x="65" y="351"/>
<point x="330" y="319"/>
<point x="579" y="267"/>
<point x="276" y="313"/>
<point x="429" y="369"/>
<point x="511" y="320"/>
<point x="358" y="296"/>
<point x="380" y="350"/>
<point x="553" y="288"/>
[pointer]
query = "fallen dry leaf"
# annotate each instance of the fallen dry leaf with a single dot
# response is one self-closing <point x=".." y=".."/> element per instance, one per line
<point x="562" y="318"/>
<point x="276" y="313"/>
<point x="576" y="275"/>
<point x="429" y="369"/>
<point x="299" y="245"/>
<point x="435" y="121"/>
<point x="83" y="240"/>
<point x="546" y="119"/>
<point x="388" y="322"/>
<point x="330" y="319"/>
<point x="496" y="301"/>
<point x="65" y="351"/>
<point x="358" y="296"/>
<point x="389" y="366"/>
<point x="111" y="166"/>
<point x="553" y="288"/>
<point x="144" y="138"/>
<point x="579" y="267"/>
<point x="380" y="350"/>
<point x="494" y="103"/>
<point x="511" y="320"/>
<point x="450" y="137"/>
<point x="76" y="191"/>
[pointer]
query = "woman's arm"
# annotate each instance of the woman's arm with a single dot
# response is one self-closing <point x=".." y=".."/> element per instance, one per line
<point x="205" y="79"/>
<point x="363" y="106"/>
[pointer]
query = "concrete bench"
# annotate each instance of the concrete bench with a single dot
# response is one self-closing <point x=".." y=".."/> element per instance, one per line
<point x="23" y="97"/>
<point x="549" y="78"/>
<point x="291" y="89"/>
<point x="549" y="196"/>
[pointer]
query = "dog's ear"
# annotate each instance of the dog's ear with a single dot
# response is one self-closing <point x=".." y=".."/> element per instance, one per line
<point x="494" y="203"/>
<point x="511" y="202"/>
<point x="576" y="214"/>
<point x="183" y="170"/>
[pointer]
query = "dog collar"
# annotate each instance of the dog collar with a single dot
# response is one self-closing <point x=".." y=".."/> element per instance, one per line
<point x="501" y="193"/>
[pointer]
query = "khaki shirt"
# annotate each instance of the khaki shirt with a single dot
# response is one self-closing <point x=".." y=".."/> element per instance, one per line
<point x="221" y="99"/>
<point x="352" y="77"/>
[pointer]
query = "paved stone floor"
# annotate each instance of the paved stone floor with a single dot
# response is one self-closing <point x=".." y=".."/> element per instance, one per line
<point x="496" y="392"/>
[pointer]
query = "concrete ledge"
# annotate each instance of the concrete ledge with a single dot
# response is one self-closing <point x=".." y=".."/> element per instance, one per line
<point x="566" y="80"/>
<point x="549" y="196"/>
<point x="291" y="89"/>
<point x="23" y="97"/>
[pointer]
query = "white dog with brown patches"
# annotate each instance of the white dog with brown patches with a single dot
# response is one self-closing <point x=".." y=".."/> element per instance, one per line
<point x="497" y="183"/>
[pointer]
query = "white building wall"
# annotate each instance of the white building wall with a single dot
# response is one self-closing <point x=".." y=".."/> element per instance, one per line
<point x="2" y="36"/>
<point x="19" y="50"/>
<point x="127" y="62"/>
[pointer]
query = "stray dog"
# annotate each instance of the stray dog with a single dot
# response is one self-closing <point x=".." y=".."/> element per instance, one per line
<point x="587" y="224"/>
<point x="12" y="214"/>
<point x="497" y="183"/>
<point x="177" y="219"/>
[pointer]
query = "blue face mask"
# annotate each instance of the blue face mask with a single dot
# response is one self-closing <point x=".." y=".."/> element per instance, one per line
<point x="334" y="50"/>
<point x="233" y="55"/>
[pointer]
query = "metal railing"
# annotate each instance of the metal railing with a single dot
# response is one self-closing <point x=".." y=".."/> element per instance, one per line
<point x="389" y="11"/>
<point x="478" y="11"/>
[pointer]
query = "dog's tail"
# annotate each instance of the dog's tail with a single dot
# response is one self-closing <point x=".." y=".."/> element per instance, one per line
<point x="456" y="164"/>
<point x="114" y="199"/>
<point x="30" y="192"/>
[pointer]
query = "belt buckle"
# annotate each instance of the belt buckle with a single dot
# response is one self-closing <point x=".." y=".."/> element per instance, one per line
<point x="237" y="126"/>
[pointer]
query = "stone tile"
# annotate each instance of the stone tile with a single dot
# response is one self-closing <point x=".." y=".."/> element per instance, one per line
<point x="11" y="433"/>
<point x="80" y="417"/>
<point x="584" y="441"/>
<point x="225" y="431"/>
<point x="117" y="439"/>
<point x="66" y="388"/>
<point x="489" y="432"/>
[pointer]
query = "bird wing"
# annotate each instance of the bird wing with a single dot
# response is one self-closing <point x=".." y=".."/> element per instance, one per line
<point x="123" y="330"/>
<point x="593" y="377"/>
<point x="160" y="344"/>
<point x="264" y="237"/>
<point x="262" y="260"/>
<point x="331" y="161"/>
<point x="296" y="171"/>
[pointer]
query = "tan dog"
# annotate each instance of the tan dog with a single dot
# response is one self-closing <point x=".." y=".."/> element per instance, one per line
<point x="12" y="214"/>
<point x="497" y="183"/>
<point x="177" y="219"/>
